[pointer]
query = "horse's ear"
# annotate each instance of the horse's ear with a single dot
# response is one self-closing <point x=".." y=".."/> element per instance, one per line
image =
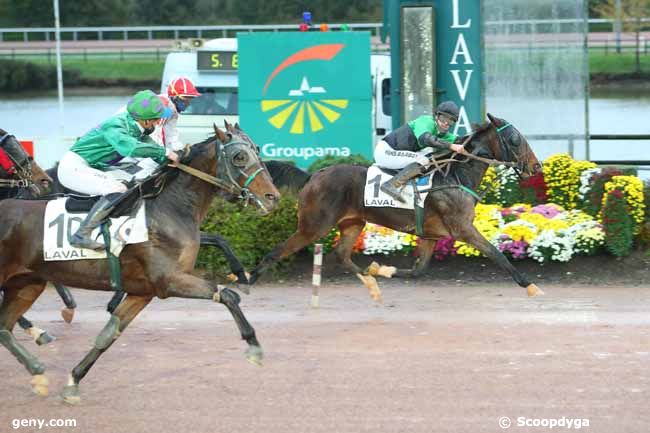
<point x="237" y="127"/>
<point x="494" y="120"/>
<point x="220" y="134"/>
<point x="227" y="125"/>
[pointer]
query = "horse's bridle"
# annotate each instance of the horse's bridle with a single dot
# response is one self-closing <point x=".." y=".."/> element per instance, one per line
<point x="233" y="172"/>
<point x="506" y="151"/>
<point x="23" y="172"/>
<point x="227" y="175"/>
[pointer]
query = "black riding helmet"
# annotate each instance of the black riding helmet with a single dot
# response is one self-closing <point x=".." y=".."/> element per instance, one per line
<point x="448" y="108"/>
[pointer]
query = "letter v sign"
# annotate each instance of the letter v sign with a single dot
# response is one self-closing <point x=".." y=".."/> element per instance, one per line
<point x="461" y="87"/>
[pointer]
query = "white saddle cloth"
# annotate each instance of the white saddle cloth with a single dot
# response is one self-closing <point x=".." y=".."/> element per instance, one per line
<point x="375" y="197"/>
<point x="59" y="226"/>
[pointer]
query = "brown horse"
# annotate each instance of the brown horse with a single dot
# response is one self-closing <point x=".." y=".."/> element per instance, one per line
<point x="160" y="267"/>
<point x="334" y="197"/>
<point x="25" y="172"/>
<point x="24" y="177"/>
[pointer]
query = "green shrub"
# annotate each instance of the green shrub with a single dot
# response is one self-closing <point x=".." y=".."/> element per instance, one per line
<point x="18" y="76"/>
<point x="330" y="160"/>
<point x="250" y="235"/>
<point x="618" y="224"/>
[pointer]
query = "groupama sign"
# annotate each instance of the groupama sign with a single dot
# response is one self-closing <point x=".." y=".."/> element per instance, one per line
<point x="303" y="96"/>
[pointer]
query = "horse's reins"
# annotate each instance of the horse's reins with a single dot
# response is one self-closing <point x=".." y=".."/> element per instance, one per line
<point x="230" y="186"/>
<point x="439" y="164"/>
<point x="488" y="161"/>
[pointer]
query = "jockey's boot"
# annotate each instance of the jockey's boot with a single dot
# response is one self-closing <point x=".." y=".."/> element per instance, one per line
<point x="397" y="182"/>
<point x="99" y="212"/>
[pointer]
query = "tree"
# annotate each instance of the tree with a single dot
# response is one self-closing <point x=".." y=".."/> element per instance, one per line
<point x="630" y="14"/>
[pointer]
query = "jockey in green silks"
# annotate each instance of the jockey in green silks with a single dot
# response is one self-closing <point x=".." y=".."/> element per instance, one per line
<point x="410" y="146"/>
<point x="123" y="135"/>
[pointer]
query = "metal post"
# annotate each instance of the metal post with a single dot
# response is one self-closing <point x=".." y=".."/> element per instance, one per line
<point x="59" y="69"/>
<point x="585" y="69"/>
<point x="618" y="25"/>
<point x="316" y="275"/>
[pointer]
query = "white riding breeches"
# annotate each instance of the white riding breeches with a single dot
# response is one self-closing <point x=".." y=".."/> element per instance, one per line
<point x="75" y="173"/>
<point x="387" y="157"/>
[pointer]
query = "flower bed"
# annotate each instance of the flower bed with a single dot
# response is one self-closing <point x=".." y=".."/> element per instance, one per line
<point x="572" y="208"/>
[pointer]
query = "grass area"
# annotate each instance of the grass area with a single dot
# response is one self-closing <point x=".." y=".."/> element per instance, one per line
<point x="149" y="66"/>
<point x="140" y="69"/>
<point x="613" y="63"/>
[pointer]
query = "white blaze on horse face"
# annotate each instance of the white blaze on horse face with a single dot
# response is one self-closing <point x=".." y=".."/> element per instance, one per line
<point x="456" y="15"/>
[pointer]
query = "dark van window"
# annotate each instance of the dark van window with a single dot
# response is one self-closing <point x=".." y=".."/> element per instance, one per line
<point x="215" y="100"/>
<point x="385" y="96"/>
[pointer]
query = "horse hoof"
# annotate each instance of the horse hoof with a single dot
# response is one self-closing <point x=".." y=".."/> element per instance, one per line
<point x="40" y="384"/>
<point x="387" y="271"/>
<point x="254" y="355"/>
<point x="67" y="314"/>
<point x="70" y="394"/>
<point x="373" y="288"/>
<point x="242" y="277"/>
<point x="373" y="269"/>
<point x="252" y="278"/>
<point x="533" y="290"/>
<point x="44" y="339"/>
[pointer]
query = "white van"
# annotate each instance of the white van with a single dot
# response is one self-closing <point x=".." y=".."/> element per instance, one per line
<point x="213" y="69"/>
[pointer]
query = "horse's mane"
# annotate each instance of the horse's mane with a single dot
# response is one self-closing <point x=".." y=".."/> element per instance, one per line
<point x="286" y="175"/>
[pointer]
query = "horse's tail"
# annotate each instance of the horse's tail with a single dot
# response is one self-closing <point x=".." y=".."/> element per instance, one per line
<point x="287" y="176"/>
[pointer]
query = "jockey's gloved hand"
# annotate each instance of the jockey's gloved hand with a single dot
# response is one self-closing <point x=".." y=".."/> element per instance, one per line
<point x="172" y="156"/>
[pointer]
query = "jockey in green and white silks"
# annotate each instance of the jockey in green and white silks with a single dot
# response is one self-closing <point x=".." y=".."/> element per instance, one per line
<point x="410" y="146"/>
<point x="123" y="135"/>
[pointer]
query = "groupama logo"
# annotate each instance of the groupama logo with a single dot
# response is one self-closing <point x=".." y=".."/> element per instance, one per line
<point x="306" y="104"/>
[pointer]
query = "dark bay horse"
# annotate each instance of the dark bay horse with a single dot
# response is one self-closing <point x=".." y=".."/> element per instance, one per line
<point x="23" y="173"/>
<point x="334" y="197"/>
<point x="22" y="176"/>
<point x="160" y="267"/>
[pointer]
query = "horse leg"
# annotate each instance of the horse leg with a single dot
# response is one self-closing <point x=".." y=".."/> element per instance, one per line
<point x="472" y="236"/>
<point x="40" y="336"/>
<point x="295" y="243"/>
<point x="424" y="253"/>
<point x="19" y="296"/>
<point x="189" y="286"/>
<point x="350" y="231"/>
<point x="68" y="312"/>
<point x="119" y="320"/>
<point x="236" y="267"/>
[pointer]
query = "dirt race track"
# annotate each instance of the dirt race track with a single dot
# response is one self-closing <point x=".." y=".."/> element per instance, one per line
<point x="452" y="358"/>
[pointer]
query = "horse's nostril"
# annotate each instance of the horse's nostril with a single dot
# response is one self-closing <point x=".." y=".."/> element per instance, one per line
<point x="270" y="197"/>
